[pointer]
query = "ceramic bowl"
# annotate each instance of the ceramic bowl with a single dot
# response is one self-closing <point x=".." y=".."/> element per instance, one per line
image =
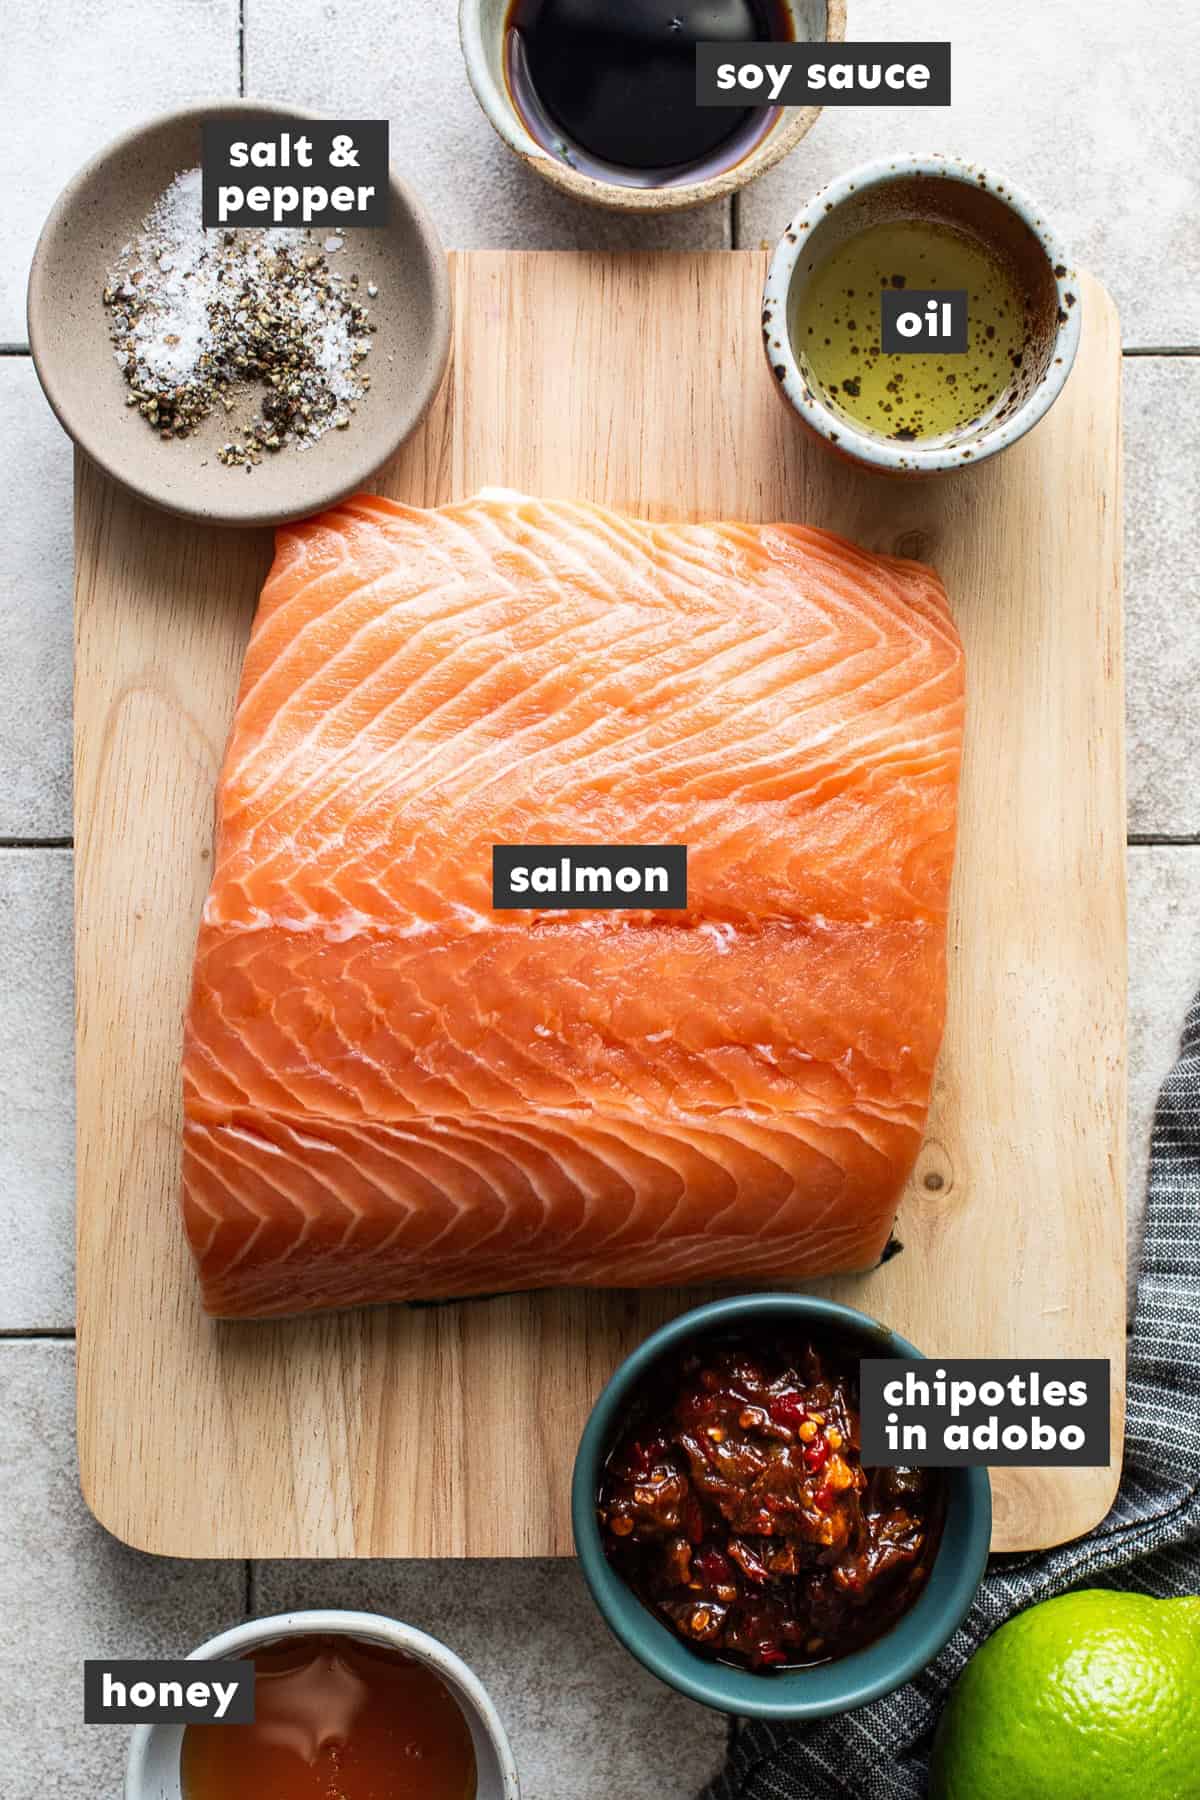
<point x="152" y="1772"/>
<point x="99" y="212"/>
<point x="481" y="25"/>
<point x="833" y="1687"/>
<point x="957" y="193"/>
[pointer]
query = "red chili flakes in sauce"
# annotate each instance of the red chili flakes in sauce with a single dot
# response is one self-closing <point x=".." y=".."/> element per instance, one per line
<point x="737" y="1507"/>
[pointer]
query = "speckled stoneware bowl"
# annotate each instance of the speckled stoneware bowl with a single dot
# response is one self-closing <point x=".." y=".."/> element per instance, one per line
<point x="956" y="193"/>
<point x="833" y="1687"/>
<point x="99" y="212"/>
<point x="152" y="1772"/>
<point x="481" y="25"/>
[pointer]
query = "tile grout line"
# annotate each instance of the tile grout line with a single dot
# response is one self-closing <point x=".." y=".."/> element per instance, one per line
<point x="241" y="49"/>
<point x="1177" y="351"/>
<point x="37" y="1334"/>
<point x="46" y="843"/>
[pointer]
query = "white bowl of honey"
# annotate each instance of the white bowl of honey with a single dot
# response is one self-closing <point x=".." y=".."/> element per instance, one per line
<point x="346" y="1703"/>
<point x="903" y="239"/>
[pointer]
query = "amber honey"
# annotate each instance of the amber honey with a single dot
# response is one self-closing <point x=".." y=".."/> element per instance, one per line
<point x="335" y="1719"/>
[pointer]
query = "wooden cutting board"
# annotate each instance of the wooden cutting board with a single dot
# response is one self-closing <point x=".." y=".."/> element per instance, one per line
<point x="637" y="381"/>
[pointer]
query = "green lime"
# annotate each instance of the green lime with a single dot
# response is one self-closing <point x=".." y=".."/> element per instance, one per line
<point x="1093" y="1696"/>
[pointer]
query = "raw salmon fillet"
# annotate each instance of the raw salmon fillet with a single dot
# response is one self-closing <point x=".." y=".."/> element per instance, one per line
<point x="393" y="1092"/>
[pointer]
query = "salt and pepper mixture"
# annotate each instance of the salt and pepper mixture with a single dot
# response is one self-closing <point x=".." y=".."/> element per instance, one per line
<point x="201" y="317"/>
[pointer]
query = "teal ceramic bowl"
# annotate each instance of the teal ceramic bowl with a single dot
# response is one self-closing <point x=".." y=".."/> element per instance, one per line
<point x="833" y="1687"/>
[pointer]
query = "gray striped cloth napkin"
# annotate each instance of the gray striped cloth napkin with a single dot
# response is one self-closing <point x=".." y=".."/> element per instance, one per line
<point x="1150" y="1541"/>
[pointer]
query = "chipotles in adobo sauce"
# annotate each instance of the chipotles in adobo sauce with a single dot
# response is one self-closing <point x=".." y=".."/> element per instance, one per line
<point x="737" y="1508"/>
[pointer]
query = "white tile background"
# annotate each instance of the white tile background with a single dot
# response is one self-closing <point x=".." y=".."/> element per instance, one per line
<point x="1090" y="107"/>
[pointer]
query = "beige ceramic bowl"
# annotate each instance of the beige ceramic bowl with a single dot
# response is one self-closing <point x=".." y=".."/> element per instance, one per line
<point x="97" y="215"/>
<point x="481" y="25"/>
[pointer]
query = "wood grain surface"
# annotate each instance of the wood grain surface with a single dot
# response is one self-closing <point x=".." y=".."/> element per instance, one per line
<point x="637" y="381"/>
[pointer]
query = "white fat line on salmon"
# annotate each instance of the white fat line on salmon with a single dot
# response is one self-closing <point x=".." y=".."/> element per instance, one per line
<point x="339" y="928"/>
<point x="721" y="932"/>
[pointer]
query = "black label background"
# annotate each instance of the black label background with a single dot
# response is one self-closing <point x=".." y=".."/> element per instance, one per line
<point x="240" y="1710"/>
<point x="1093" y="1417"/>
<point x="894" y="301"/>
<point x="370" y="140"/>
<point x="672" y="857"/>
<point x="802" y="57"/>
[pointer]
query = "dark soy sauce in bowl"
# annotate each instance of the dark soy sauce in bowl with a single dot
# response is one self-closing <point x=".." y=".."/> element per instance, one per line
<point x="609" y="86"/>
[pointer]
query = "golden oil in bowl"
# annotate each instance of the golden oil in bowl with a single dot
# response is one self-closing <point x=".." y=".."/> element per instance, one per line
<point x="918" y="396"/>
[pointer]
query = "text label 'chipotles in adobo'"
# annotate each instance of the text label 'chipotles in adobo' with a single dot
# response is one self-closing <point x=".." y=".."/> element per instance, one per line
<point x="952" y="1413"/>
<point x="737" y="1507"/>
